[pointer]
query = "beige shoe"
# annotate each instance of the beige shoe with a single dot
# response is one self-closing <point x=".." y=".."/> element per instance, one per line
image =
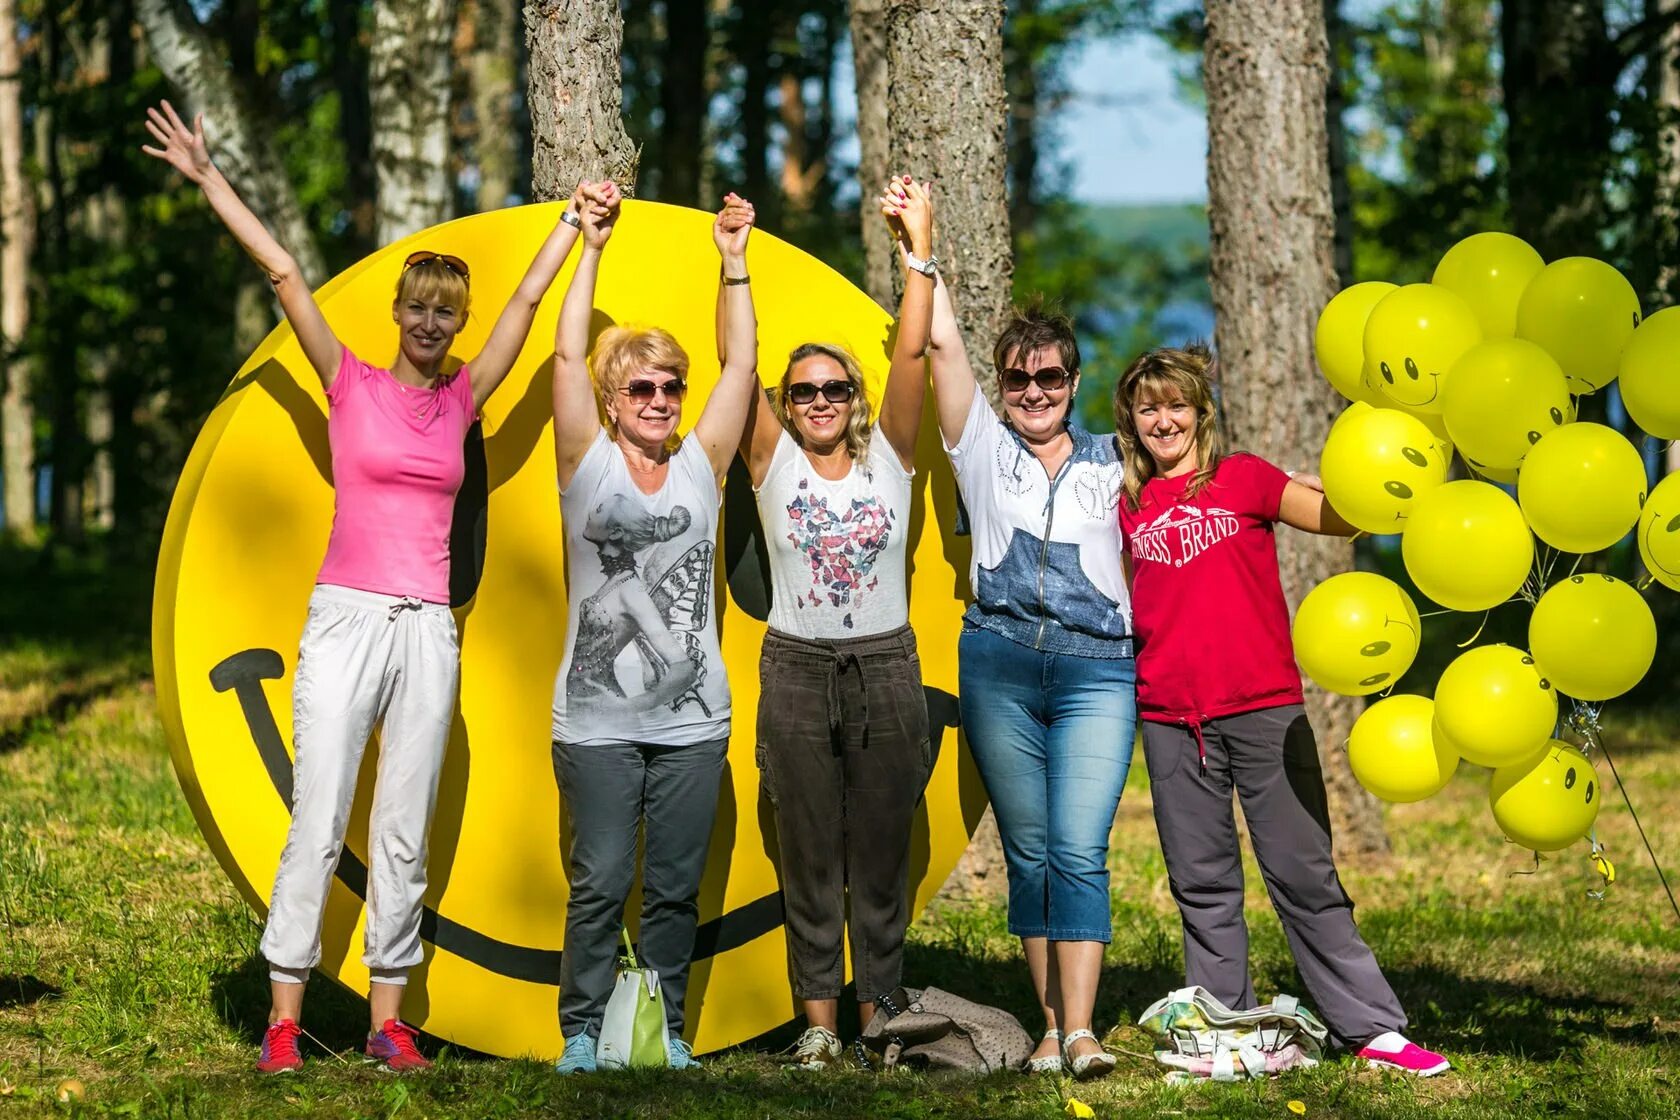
<point x="818" y="1049"/>
<point x="1087" y="1066"/>
<point x="1049" y="1063"/>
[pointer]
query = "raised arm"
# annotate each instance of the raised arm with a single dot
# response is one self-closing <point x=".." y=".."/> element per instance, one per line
<point x="185" y="150"/>
<point x="911" y="203"/>
<point x="575" y="420"/>
<point x="723" y="421"/>
<point x="762" y="429"/>
<point x="513" y="325"/>
<point x="953" y="376"/>
<point x="1309" y="510"/>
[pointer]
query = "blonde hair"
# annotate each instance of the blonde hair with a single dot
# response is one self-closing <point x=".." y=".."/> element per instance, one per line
<point x="1163" y="375"/>
<point x="435" y="282"/>
<point x="861" y="422"/>
<point x="621" y="352"/>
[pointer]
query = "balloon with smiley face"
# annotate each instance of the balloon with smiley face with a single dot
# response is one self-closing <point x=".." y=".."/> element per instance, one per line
<point x="1582" y="311"/>
<point x="1659" y="533"/>
<point x="1651" y="374"/>
<point x="1503" y="395"/>
<point x="1547" y="802"/>
<point x="1394" y="752"/>
<point x="1582" y="487"/>
<point x="1467" y="546"/>
<point x="1413" y="338"/>
<point x="1593" y="636"/>
<point x="1356" y="633"/>
<point x="1376" y="463"/>
<point x="1494" y="705"/>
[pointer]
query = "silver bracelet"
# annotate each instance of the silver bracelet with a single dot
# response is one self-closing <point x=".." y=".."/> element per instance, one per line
<point x="571" y="219"/>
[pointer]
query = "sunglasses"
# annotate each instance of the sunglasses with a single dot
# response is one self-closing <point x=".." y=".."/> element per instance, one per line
<point x="1047" y="378"/>
<point x="834" y="392"/>
<point x="641" y="390"/>
<point x="425" y="256"/>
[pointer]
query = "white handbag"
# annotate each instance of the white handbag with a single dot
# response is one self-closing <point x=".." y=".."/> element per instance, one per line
<point x="633" y="1029"/>
<point x="1202" y="1038"/>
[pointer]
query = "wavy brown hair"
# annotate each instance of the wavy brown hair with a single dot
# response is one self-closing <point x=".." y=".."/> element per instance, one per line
<point x="1162" y="376"/>
<point x="862" y="417"/>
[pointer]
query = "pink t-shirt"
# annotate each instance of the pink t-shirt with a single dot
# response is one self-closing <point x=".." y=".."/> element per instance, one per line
<point x="397" y="462"/>
<point x="1207" y="605"/>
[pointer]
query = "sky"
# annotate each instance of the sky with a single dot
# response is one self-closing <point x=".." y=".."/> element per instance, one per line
<point x="1132" y="137"/>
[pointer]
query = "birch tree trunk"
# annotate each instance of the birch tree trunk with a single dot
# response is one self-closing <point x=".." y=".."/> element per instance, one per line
<point x="869" y="68"/>
<point x="1272" y="231"/>
<point x="17" y="240"/>
<point x="946" y="117"/>
<point x="408" y="92"/>
<point x="576" y="96"/>
<point x="495" y="66"/>
<point x="238" y="145"/>
<point x="1665" y="95"/>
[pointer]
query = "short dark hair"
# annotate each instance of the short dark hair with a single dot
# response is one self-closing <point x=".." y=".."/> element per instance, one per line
<point x="1034" y="327"/>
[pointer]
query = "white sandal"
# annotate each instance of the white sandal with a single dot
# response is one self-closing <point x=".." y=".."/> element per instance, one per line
<point x="1050" y="1063"/>
<point x="1087" y="1066"/>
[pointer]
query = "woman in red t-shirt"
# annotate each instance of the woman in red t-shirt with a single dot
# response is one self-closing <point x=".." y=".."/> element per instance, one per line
<point x="1219" y="700"/>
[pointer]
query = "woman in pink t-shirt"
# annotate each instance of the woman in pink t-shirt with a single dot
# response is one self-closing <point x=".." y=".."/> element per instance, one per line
<point x="1219" y="700"/>
<point x="379" y="646"/>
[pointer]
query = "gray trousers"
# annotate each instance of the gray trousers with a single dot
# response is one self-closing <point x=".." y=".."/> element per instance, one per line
<point x="611" y="792"/>
<point x="1272" y="760"/>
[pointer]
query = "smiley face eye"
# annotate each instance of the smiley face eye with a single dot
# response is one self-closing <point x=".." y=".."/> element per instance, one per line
<point x="1545" y="685"/>
<point x="1373" y="679"/>
<point x="1636" y="320"/>
<point x="1388" y="374"/>
<point x="1577" y="579"/>
<point x="1415" y="457"/>
<point x="1590" y="791"/>
<point x="1673" y="524"/>
<point x="1375" y="649"/>
<point x="1557" y="416"/>
<point x="1534" y="437"/>
<point x="1399" y="490"/>
<point x="1527" y="660"/>
<point x="1569" y="779"/>
<point x="1607" y="579"/>
<point x="1642" y="499"/>
<point x="1411" y="369"/>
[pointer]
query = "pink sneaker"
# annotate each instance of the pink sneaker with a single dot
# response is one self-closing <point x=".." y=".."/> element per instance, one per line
<point x="1410" y="1058"/>
<point x="280" y="1048"/>
<point x="393" y="1047"/>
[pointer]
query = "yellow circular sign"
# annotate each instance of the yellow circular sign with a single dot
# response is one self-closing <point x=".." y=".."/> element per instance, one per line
<point x="245" y="536"/>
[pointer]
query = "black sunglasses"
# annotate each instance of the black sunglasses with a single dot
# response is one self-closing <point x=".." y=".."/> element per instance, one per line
<point x="641" y="390"/>
<point x="1047" y="378"/>
<point x="424" y="256"/>
<point x="834" y="392"/>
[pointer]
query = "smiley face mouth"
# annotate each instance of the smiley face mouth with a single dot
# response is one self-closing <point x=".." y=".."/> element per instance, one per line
<point x="1651" y="552"/>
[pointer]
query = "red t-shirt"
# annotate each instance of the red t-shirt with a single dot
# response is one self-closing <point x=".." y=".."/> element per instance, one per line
<point x="1208" y="610"/>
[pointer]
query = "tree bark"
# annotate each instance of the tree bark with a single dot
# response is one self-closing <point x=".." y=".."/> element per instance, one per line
<point x="238" y="144"/>
<point x="752" y="51"/>
<point x="1271" y="238"/>
<point x="408" y="92"/>
<point x="869" y="67"/>
<point x="355" y="129"/>
<point x="682" y="99"/>
<point x="946" y="116"/>
<point x="17" y="242"/>
<point x="1335" y="105"/>
<point x="576" y="96"/>
<point x="495" y="69"/>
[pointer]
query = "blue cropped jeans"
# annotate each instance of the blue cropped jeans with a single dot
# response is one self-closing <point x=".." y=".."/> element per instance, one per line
<point x="1052" y="735"/>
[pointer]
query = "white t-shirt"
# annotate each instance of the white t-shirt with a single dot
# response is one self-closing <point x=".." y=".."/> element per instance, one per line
<point x="837" y="548"/>
<point x="641" y="607"/>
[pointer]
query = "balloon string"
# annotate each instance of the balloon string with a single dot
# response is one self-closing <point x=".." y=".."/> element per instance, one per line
<point x="1593" y="736"/>
<point x="1645" y="584"/>
<point x="1471" y="639"/>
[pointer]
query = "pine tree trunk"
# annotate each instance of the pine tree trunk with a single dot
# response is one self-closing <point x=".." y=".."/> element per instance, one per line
<point x="408" y="92"/>
<point x="869" y="68"/>
<point x="1335" y="105"/>
<point x="495" y="70"/>
<point x="576" y="96"/>
<point x="1272" y="231"/>
<point x="17" y="240"/>
<point x="682" y="99"/>
<point x="946" y="114"/>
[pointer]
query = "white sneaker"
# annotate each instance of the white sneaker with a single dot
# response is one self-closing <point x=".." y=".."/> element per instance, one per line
<point x="817" y="1049"/>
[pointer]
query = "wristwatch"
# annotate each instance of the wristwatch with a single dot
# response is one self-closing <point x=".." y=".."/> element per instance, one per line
<point x="929" y="267"/>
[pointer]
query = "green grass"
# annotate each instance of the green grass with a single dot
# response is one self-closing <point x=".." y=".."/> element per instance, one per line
<point x="128" y="962"/>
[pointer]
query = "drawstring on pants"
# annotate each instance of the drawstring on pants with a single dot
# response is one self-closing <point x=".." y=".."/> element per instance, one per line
<point x="406" y="603"/>
<point x="837" y="667"/>
<point x="1195" y="728"/>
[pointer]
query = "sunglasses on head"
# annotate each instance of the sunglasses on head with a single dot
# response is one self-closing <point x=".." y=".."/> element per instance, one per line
<point x="644" y="390"/>
<point x="834" y="392"/>
<point x="425" y="256"/>
<point x="1047" y="378"/>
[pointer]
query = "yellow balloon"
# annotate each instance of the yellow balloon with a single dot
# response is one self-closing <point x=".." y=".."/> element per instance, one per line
<point x="1393" y="751"/>
<point x="1466" y="545"/>
<point x="1505" y="476"/>
<point x="1582" y="487"/>
<point x="1659" y="533"/>
<point x="1593" y="636"/>
<point x="1412" y="339"/>
<point x="1356" y="633"/>
<point x="1548" y="802"/>
<point x="1494" y="705"/>
<point x="1651" y="374"/>
<point x="1582" y="312"/>
<point x="1503" y="395"/>
<point x="1490" y="270"/>
<point x="1339" y="341"/>
<point x="1374" y="464"/>
<point x="1354" y="408"/>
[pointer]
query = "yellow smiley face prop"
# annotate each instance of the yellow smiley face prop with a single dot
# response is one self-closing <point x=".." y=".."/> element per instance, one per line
<point x="1376" y="463"/>
<point x="246" y="534"/>
<point x="1659" y="533"/>
<point x="1356" y="633"/>
<point x="1548" y="802"/>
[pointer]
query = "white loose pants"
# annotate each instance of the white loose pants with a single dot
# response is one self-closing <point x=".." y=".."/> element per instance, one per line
<point x="366" y="661"/>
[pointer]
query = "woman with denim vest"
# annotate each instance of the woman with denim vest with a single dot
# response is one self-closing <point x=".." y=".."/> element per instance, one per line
<point x="1045" y="674"/>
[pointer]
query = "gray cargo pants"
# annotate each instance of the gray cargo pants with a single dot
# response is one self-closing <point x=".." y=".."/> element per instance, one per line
<point x="1271" y="759"/>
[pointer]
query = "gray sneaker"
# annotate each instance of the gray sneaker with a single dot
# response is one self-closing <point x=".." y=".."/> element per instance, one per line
<point x="818" y="1048"/>
<point x="579" y="1056"/>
